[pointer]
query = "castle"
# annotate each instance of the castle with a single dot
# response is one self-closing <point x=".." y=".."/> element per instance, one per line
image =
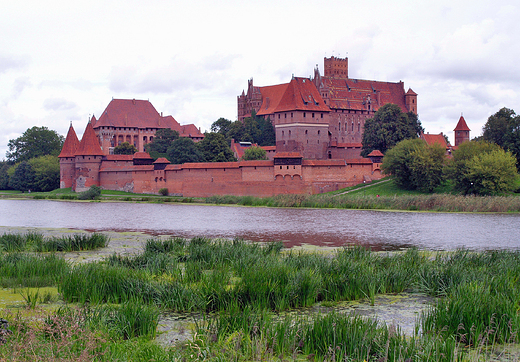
<point x="318" y="122"/>
<point x="323" y="117"/>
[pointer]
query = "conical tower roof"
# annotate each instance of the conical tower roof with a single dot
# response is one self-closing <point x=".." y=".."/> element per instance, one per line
<point x="462" y="126"/>
<point x="89" y="145"/>
<point x="71" y="143"/>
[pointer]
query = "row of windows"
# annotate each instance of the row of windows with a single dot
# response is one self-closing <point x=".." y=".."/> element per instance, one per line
<point x="352" y="127"/>
<point x="306" y="132"/>
<point x="130" y="129"/>
<point x="304" y="115"/>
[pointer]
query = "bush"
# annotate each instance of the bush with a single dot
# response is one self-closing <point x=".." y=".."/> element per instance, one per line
<point x="92" y="193"/>
<point x="163" y="191"/>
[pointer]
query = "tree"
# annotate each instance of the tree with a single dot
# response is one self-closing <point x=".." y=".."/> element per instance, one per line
<point x="254" y="129"/>
<point x="483" y="168"/>
<point x="46" y="173"/>
<point x="388" y="127"/>
<point x="415" y="165"/>
<point x="125" y="148"/>
<point x="184" y="150"/>
<point x="497" y="126"/>
<point x="492" y="173"/>
<point x="214" y="148"/>
<point x="254" y="153"/>
<point x="222" y="126"/>
<point x="457" y="167"/>
<point x="162" y="140"/>
<point x="4" y="176"/>
<point x="22" y="178"/>
<point x="35" y="142"/>
<point x="503" y="128"/>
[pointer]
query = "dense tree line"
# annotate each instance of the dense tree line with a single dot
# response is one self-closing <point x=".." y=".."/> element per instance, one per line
<point x="32" y="161"/>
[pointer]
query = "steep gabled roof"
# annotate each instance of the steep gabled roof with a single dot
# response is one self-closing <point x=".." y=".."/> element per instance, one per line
<point x="89" y="145"/>
<point x="355" y="93"/>
<point x="430" y="139"/>
<point x="461" y="125"/>
<point x="300" y="94"/>
<point x="71" y="144"/>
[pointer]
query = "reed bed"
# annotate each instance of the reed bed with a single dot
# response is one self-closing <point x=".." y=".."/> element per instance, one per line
<point x="244" y="288"/>
<point x="18" y="269"/>
<point x="32" y="241"/>
<point x="418" y="202"/>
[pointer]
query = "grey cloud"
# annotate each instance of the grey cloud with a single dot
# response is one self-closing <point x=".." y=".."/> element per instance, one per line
<point x="58" y="104"/>
<point x="8" y="62"/>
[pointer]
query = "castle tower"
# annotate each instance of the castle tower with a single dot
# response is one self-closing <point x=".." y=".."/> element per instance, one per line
<point x="67" y="159"/>
<point x="88" y="157"/>
<point x="336" y="67"/>
<point x="410" y="99"/>
<point x="461" y="132"/>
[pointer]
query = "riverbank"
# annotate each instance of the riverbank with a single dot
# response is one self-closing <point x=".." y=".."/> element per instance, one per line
<point x="378" y="195"/>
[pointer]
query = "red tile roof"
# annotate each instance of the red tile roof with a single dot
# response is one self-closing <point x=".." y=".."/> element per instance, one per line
<point x="255" y="163"/>
<point x="119" y="157"/>
<point x="71" y="144"/>
<point x="434" y="138"/>
<point x="141" y="156"/>
<point x="353" y="93"/>
<point x="324" y="163"/>
<point x="375" y="153"/>
<point x="288" y="155"/>
<point x="162" y="160"/>
<point x="89" y="145"/>
<point x="461" y="125"/>
<point x="136" y="113"/>
<point x="300" y="94"/>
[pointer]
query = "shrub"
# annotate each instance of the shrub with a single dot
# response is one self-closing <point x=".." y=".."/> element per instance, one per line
<point x="91" y="194"/>
<point x="163" y="191"/>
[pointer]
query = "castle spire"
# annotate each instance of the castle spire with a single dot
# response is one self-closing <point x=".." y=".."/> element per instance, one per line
<point x="89" y="145"/>
<point x="71" y="143"/>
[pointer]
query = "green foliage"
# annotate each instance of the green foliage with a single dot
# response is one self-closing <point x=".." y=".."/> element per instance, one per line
<point x="503" y="128"/>
<point x="254" y="129"/>
<point x="4" y="176"/>
<point x="184" y="150"/>
<point x="162" y="140"/>
<point x="388" y="127"/>
<point x="125" y="148"/>
<point x="46" y="173"/>
<point x="415" y="165"/>
<point x="35" y="142"/>
<point x="91" y="194"/>
<point x="473" y="171"/>
<point x="214" y="148"/>
<point x="22" y="178"/>
<point x="254" y="153"/>
<point x="163" y="191"/>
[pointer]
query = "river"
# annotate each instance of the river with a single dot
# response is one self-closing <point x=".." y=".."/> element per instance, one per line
<point x="379" y="230"/>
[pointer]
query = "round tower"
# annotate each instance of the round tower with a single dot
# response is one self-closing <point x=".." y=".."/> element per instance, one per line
<point x="67" y="159"/>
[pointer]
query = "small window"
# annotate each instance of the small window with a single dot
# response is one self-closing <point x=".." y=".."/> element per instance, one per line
<point x="313" y="115"/>
<point x="303" y="114"/>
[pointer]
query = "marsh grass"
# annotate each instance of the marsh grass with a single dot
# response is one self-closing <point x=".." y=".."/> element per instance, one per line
<point x="33" y="241"/>
<point x="18" y="269"/>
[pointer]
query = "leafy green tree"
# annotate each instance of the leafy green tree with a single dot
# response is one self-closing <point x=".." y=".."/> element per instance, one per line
<point x="254" y="153"/>
<point x="388" y="127"/>
<point x="22" y="178"/>
<point x="162" y="140"/>
<point x="91" y="194"/>
<point x="46" y="173"/>
<point x="214" y="148"/>
<point x="503" y="128"/>
<point x="125" y="148"/>
<point x="483" y="168"/>
<point x="222" y="126"/>
<point x="457" y="167"/>
<point x="35" y="142"/>
<point x="415" y="165"/>
<point x="492" y="173"/>
<point x="4" y="176"/>
<point x="184" y="150"/>
<point x="497" y="126"/>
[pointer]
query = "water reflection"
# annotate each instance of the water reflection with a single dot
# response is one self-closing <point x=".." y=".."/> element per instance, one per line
<point x="376" y="229"/>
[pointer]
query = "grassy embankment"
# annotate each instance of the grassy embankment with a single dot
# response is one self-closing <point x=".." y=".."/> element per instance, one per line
<point x="241" y="288"/>
<point x="378" y="195"/>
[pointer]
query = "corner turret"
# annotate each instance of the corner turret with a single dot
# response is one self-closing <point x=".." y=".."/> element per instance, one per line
<point x="67" y="159"/>
<point x="88" y="159"/>
<point x="461" y="132"/>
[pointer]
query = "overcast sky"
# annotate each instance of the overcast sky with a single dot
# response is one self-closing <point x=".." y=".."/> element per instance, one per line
<point x="62" y="61"/>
